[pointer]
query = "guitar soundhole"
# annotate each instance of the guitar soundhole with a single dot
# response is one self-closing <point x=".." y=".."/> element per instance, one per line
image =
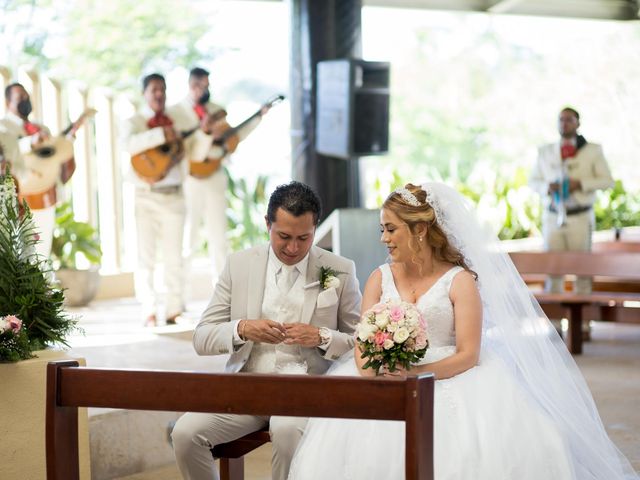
<point x="46" y="152"/>
<point x="166" y="148"/>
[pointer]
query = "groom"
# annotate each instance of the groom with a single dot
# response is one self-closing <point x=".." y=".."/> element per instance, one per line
<point x="272" y="314"/>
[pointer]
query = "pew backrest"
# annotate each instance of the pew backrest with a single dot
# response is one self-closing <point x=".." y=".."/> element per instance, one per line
<point x="70" y="386"/>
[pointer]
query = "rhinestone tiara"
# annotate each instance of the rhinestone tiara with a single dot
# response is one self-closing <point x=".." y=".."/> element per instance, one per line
<point x="407" y="196"/>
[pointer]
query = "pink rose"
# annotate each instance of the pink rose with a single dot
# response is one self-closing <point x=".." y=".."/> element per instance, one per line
<point x="396" y="314"/>
<point x="15" y="324"/>
<point x="421" y="340"/>
<point x="380" y="337"/>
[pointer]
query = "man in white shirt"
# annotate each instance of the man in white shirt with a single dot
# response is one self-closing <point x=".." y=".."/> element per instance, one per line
<point x="21" y="135"/>
<point x="272" y="314"/>
<point x="567" y="175"/>
<point x="159" y="204"/>
<point x="205" y="196"/>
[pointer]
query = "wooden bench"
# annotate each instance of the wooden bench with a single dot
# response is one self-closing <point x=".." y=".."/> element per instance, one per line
<point x="70" y="386"/>
<point x="611" y="264"/>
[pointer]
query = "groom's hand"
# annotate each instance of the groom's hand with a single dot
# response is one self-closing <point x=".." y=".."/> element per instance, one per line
<point x="263" y="331"/>
<point x="302" y="334"/>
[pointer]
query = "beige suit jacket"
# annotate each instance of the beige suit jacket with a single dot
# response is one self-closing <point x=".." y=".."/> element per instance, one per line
<point x="589" y="166"/>
<point x="239" y="294"/>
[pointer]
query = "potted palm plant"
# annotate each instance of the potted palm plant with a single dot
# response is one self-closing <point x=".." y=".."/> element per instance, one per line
<point x="73" y="240"/>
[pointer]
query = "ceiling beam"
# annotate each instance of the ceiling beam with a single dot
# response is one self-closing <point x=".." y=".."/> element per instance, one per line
<point x="596" y="9"/>
<point x="503" y="6"/>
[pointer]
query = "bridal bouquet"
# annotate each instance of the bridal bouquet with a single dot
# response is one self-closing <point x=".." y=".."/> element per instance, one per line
<point x="390" y="334"/>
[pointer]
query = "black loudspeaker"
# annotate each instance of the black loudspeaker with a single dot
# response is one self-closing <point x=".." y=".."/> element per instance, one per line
<point x="352" y="108"/>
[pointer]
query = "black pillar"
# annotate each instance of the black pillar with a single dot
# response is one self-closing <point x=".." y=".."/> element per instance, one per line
<point x="321" y="30"/>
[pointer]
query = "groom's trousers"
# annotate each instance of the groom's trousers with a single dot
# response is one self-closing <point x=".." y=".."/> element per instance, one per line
<point x="195" y="434"/>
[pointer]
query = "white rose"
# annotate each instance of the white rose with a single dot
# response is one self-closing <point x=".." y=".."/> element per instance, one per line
<point x="401" y="335"/>
<point x="366" y="331"/>
<point x="331" y="282"/>
<point x="382" y="320"/>
<point x="388" y="343"/>
<point x="392" y="327"/>
<point x="4" y="325"/>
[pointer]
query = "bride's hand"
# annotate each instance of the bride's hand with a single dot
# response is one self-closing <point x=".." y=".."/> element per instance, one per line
<point x="399" y="372"/>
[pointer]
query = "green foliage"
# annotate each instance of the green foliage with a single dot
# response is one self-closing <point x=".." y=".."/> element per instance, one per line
<point x="503" y="201"/>
<point x="14" y="347"/>
<point x="26" y="289"/>
<point x="71" y="238"/>
<point x="20" y="32"/>
<point x="245" y="215"/>
<point x="617" y="208"/>
<point x="507" y="204"/>
<point x="396" y="356"/>
<point x="114" y="43"/>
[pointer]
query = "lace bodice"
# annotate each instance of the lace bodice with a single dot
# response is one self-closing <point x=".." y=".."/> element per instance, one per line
<point x="434" y="304"/>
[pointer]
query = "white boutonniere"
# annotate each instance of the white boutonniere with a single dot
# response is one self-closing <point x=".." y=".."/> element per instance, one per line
<point x="329" y="278"/>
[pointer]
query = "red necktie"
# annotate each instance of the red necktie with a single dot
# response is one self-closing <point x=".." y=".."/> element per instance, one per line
<point x="567" y="151"/>
<point x="31" y="128"/>
<point x="200" y="110"/>
<point x="159" y="120"/>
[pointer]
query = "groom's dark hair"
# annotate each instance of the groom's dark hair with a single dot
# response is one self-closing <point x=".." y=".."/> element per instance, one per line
<point x="297" y="199"/>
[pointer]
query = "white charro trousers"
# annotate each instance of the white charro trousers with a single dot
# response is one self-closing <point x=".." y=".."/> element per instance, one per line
<point x="206" y="206"/>
<point x="575" y="236"/>
<point x="160" y="229"/>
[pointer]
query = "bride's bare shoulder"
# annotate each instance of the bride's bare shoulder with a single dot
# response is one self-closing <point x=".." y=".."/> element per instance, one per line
<point x="375" y="279"/>
<point x="372" y="290"/>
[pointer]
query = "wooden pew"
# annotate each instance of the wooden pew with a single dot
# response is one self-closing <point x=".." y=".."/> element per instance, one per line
<point x="70" y="386"/>
<point x="613" y="264"/>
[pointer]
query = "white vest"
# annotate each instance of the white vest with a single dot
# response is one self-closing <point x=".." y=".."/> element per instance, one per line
<point x="283" y="308"/>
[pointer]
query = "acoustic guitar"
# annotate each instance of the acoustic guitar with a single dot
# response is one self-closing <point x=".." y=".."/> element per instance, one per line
<point x="153" y="165"/>
<point x="48" y="162"/>
<point x="226" y="137"/>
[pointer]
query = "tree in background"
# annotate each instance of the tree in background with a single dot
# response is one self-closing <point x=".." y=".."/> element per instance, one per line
<point x="108" y="44"/>
<point x="22" y="36"/>
<point x="473" y="96"/>
<point x="115" y="43"/>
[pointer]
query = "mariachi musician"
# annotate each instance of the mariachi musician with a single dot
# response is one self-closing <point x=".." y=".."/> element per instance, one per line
<point x="206" y="182"/>
<point x="567" y="175"/>
<point x="159" y="200"/>
<point x="39" y="161"/>
<point x="22" y="136"/>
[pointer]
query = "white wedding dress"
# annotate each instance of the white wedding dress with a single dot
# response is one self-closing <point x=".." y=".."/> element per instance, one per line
<point x="485" y="428"/>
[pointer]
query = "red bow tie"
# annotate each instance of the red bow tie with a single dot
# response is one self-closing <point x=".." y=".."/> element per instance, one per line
<point x="30" y="128"/>
<point x="159" y="120"/>
<point x="200" y="110"/>
<point x="567" y="151"/>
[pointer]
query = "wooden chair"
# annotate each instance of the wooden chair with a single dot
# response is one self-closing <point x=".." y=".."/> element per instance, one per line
<point x="232" y="454"/>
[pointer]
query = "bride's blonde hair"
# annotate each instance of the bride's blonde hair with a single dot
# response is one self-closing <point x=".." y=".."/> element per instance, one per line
<point x="413" y="215"/>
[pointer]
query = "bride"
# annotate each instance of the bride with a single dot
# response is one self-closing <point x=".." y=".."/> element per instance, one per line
<point x="510" y="403"/>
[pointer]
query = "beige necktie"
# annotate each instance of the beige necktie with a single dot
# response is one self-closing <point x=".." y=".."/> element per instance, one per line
<point x="287" y="277"/>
